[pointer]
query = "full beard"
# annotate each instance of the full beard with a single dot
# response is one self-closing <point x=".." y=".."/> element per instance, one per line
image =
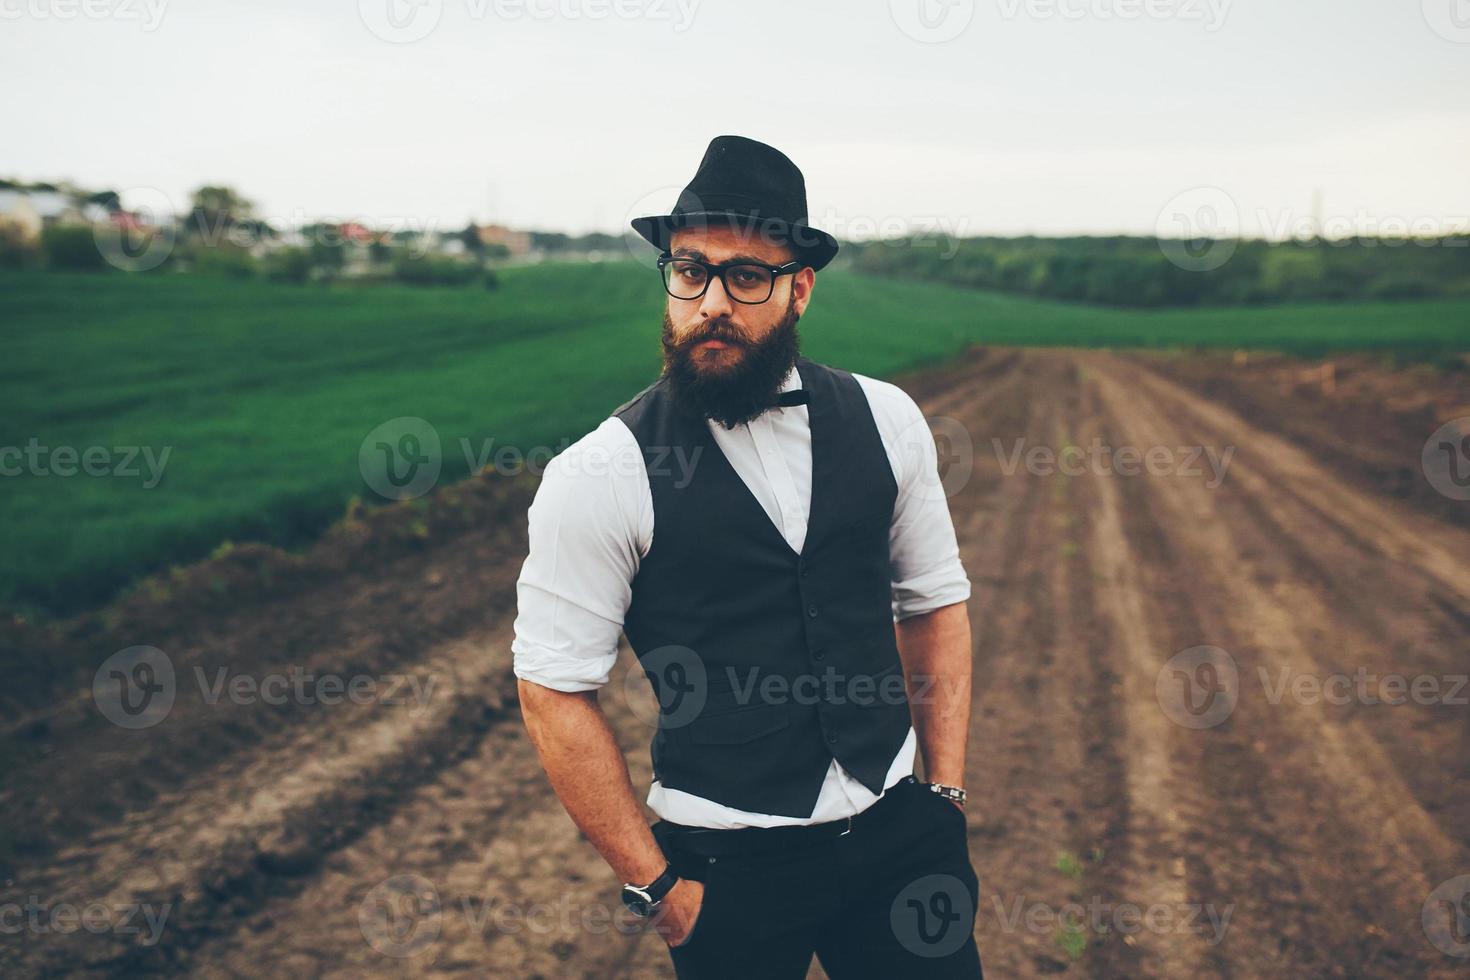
<point x="730" y="394"/>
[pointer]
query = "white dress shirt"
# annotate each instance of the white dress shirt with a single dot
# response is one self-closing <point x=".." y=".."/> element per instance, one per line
<point x="591" y="523"/>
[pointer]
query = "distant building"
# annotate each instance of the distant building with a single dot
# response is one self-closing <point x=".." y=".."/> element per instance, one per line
<point x="517" y="243"/>
<point x="18" y="211"/>
<point x="31" y="212"/>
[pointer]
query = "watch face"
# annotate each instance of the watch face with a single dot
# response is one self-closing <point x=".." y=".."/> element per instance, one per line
<point x="638" y="901"/>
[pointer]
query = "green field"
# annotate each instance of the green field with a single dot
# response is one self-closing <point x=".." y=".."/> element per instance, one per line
<point x="263" y="393"/>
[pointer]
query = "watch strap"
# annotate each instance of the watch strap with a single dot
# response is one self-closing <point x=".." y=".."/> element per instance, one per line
<point x="660" y="886"/>
<point x="955" y="793"/>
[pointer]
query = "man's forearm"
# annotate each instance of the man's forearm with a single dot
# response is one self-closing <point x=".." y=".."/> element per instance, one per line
<point x="589" y="774"/>
<point x="935" y="647"/>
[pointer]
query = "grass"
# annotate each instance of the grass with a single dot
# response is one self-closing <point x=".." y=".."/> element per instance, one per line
<point x="262" y="394"/>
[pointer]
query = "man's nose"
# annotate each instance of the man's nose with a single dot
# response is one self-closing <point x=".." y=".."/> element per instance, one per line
<point x="716" y="302"/>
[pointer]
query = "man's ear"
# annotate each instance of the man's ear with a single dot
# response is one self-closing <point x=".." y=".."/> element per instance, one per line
<point x="802" y="285"/>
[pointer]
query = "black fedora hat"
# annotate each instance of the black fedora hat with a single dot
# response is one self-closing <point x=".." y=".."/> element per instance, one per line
<point x="753" y="187"/>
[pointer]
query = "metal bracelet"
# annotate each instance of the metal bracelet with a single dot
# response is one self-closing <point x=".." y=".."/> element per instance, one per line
<point x="949" y="792"/>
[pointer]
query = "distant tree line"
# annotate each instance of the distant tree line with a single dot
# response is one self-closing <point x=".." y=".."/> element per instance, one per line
<point x="1137" y="272"/>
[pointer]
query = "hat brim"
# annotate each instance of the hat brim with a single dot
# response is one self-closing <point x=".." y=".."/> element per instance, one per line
<point x="812" y="245"/>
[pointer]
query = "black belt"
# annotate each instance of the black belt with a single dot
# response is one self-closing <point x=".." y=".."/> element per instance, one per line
<point x="712" y="842"/>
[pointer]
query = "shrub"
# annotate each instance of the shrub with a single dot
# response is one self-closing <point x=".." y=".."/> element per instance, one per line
<point x="71" y="247"/>
<point x="288" y="265"/>
<point x="16" y="252"/>
<point x="225" y="260"/>
<point x="431" y="270"/>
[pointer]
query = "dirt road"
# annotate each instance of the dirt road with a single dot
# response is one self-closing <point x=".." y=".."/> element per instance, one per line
<point x="1185" y="760"/>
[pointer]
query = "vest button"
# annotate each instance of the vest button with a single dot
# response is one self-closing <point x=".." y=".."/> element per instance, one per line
<point x="804" y="570"/>
<point x="818" y="654"/>
<point x="811" y="610"/>
<point x="831" y="738"/>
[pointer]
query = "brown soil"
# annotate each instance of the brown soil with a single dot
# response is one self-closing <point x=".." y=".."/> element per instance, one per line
<point x="422" y="839"/>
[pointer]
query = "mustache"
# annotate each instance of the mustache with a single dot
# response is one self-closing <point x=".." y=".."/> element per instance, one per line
<point x="714" y="331"/>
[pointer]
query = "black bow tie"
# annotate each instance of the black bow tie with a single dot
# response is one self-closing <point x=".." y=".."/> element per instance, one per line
<point x="796" y="396"/>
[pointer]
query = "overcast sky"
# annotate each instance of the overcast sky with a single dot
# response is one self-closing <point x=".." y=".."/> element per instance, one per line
<point x="991" y="116"/>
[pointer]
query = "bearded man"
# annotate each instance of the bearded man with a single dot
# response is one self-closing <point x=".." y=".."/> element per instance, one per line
<point x="771" y="535"/>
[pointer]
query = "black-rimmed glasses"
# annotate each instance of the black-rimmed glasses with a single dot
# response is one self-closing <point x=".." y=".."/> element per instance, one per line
<point x="744" y="282"/>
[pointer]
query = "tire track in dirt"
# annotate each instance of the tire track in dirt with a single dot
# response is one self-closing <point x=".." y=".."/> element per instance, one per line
<point x="515" y="889"/>
<point x="1364" y="852"/>
<point x="211" y="851"/>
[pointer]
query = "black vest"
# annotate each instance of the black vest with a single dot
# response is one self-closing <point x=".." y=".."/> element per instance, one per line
<point x="768" y="664"/>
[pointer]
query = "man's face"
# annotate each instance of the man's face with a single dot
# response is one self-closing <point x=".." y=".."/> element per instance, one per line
<point x="726" y="360"/>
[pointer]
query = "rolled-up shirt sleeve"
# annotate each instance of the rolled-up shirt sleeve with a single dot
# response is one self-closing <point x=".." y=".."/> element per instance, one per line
<point x="585" y="529"/>
<point x="924" y="555"/>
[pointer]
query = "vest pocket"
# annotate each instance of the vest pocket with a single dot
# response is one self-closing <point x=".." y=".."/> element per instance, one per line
<point x="738" y="727"/>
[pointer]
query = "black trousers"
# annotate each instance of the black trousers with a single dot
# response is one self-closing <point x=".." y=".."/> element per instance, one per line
<point x="895" y="899"/>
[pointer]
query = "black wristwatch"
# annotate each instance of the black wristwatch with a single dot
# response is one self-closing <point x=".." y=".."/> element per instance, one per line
<point x="644" y="899"/>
